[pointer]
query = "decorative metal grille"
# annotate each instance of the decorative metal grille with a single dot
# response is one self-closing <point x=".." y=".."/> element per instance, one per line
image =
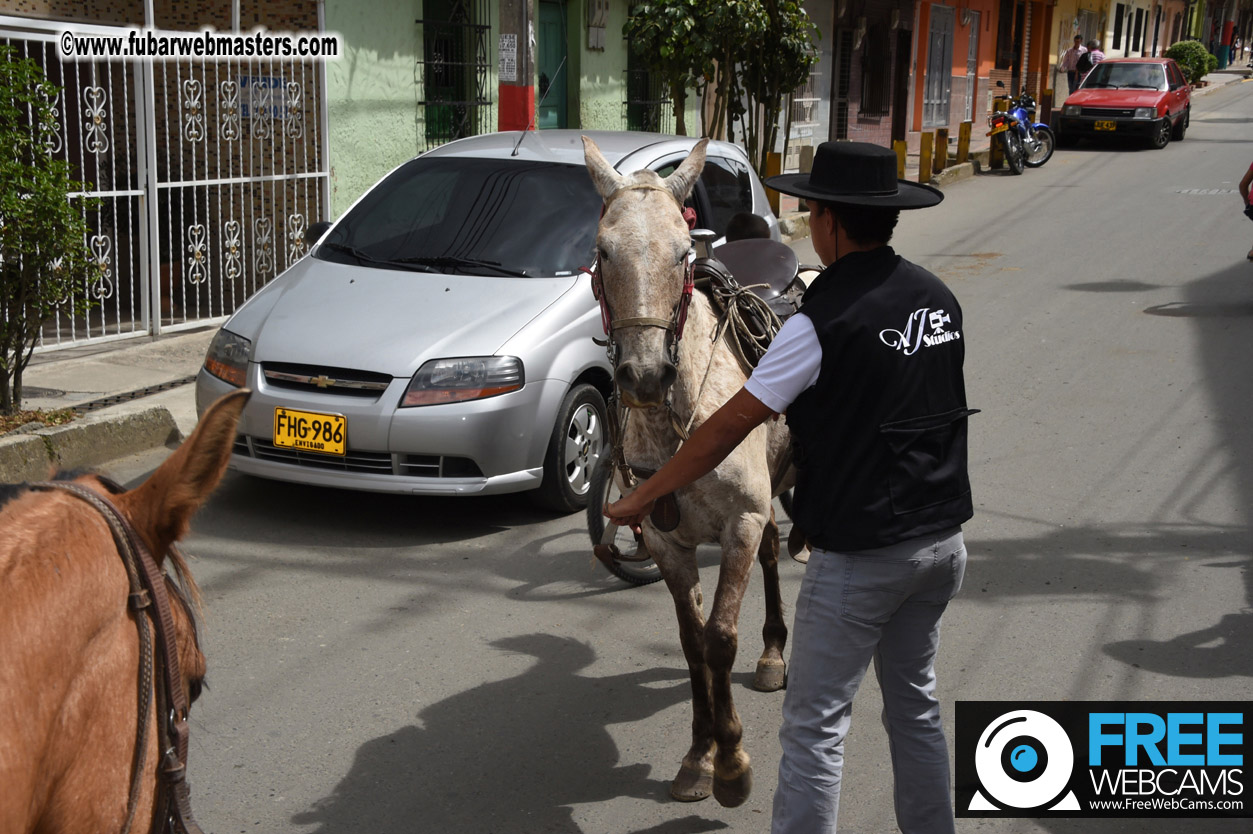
<point x="229" y="155"/>
<point x="647" y="107"/>
<point x="452" y="73"/>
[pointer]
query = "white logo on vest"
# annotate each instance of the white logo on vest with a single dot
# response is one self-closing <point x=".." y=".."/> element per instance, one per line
<point x="915" y="334"/>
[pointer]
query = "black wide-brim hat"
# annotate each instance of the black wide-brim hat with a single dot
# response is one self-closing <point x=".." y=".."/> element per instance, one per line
<point x="856" y="174"/>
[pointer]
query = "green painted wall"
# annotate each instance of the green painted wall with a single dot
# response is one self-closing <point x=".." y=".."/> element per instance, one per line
<point x="602" y="73"/>
<point x="373" y="92"/>
<point x="370" y="94"/>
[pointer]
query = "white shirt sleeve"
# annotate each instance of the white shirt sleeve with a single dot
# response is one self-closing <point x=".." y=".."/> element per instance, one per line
<point x="790" y="365"/>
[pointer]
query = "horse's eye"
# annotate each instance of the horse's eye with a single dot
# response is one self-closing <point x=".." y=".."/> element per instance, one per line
<point x="602" y="254"/>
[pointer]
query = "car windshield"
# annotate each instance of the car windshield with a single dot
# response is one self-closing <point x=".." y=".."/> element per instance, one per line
<point x="472" y="216"/>
<point x="1116" y="76"/>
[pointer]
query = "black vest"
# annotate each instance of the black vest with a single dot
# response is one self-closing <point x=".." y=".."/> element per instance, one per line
<point x="880" y="438"/>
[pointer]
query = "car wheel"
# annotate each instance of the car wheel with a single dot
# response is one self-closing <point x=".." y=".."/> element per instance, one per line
<point x="578" y="441"/>
<point x="1161" y="134"/>
<point x="1067" y="140"/>
<point x="1182" y="127"/>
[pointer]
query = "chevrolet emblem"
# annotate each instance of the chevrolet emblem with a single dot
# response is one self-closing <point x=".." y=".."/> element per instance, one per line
<point x="322" y="381"/>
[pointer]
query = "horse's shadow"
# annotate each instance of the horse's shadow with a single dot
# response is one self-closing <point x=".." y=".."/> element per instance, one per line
<point x="511" y="755"/>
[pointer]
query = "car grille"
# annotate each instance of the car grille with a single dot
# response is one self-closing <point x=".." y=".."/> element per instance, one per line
<point x="1108" y="112"/>
<point x="344" y="382"/>
<point x="369" y="463"/>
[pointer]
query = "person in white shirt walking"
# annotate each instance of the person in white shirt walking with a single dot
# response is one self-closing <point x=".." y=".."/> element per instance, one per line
<point x="1070" y="61"/>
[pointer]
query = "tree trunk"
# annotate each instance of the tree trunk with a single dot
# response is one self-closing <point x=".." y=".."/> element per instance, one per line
<point x="678" y="98"/>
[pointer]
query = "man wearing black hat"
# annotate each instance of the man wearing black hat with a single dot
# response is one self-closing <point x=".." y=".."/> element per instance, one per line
<point x="869" y="373"/>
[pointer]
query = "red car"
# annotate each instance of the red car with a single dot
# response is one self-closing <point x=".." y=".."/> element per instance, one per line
<point x="1146" y="97"/>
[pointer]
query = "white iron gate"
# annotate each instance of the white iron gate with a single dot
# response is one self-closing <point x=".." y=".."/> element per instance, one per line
<point x="206" y="175"/>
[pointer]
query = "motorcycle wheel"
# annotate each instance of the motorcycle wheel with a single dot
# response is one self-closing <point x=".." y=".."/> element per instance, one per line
<point x="1014" y="151"/>
<point x="1044" y="150"/>
<point x="605" y="490"/>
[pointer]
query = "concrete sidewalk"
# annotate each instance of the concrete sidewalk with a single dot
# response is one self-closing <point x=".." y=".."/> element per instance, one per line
<point x="133" y="395"/>
<point x="137" y="394"/>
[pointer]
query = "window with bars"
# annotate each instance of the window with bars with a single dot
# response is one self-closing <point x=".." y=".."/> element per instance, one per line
<point x="453" y="70"/>
<point x="843" y="82"/>
<point x="876" y="71"/>
<point x="647" y="106"/>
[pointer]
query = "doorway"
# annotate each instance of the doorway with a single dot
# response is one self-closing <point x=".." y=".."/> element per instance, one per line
<point x="552" y="65"/>
<point x="937" y="90"/>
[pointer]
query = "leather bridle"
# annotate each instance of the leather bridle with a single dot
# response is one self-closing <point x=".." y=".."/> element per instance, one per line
<point x="148" y="594"/>
<point x="678" y="318"/>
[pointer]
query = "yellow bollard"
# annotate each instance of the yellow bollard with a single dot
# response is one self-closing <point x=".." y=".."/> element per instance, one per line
<point x="774" y="167"/>
<point x="963" y="141"/>
<point x="996" y="156"/>
<point x="807" y="158"/>
<point x="941" y="149"/>
<point x="924" y="156"/>
<point x="901" y="150"/>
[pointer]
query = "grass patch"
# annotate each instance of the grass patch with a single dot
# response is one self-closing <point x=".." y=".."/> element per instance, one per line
<point x="49" y="417"/>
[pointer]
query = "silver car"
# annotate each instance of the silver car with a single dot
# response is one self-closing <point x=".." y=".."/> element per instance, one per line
<point x="438" y="339"/>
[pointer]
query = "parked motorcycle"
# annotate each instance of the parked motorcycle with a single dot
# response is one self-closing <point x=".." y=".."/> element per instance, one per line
<point x="1027" y="143"/>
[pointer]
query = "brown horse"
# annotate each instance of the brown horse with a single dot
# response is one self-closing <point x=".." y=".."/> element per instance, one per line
<point x="673" y="374"/>
<point x="70" y="756"/>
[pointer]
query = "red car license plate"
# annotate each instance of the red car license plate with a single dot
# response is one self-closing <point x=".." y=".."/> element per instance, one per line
<point x="1104" y="124"/>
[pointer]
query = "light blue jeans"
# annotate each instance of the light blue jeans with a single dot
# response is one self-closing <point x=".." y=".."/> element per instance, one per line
<point x="882" y="605"/>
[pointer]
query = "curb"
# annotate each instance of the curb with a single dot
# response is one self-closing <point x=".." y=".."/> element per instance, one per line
<point x="88" y="442"/>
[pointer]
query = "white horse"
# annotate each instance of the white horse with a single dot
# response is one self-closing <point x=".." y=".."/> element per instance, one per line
<point x="673" y="375"/>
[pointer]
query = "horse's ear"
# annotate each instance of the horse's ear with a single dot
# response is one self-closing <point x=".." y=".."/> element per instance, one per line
<point x="162" y="506"/>
<point x="604" y="177"/>
<point x="684" y="177"/>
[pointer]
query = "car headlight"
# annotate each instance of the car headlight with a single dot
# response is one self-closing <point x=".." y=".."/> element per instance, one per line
<point x="1145" y="113"/>
<point x="1071" y="110"/>
<point x="462" y="379"/>
<point x="227" y="358"/>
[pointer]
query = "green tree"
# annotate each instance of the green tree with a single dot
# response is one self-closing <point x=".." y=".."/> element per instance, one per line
<point x="664" y="34"/>
<point x="742" y="57"/>
<point x="1193" y="58"/>
<point x="775" y="66"/>
<point x="43" y="238"/>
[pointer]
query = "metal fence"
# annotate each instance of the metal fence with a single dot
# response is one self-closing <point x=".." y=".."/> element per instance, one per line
<point x="205" y="176"/>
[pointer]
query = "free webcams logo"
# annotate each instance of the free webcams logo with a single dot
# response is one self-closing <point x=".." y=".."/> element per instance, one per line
<point x="1101" y="759"/>
<point x="1025" y="761"/>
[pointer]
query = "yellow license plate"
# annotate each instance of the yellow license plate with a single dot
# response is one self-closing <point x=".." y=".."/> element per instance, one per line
<point x="1104" y="125"/>
<point x="310" y="431"/>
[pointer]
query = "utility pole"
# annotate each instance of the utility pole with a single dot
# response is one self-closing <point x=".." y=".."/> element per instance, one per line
<point x="516" y="62"/>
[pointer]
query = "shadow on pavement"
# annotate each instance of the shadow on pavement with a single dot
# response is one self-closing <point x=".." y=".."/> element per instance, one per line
<point x="512" y="755"/>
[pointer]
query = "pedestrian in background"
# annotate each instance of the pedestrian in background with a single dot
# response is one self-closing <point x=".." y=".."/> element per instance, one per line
<point x="1245" y="184"/>
<point x="1095" y="56"/>
<point x="1070" y="60"/>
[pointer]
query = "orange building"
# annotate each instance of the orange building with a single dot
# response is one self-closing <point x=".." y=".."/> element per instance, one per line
<point x="963" y="47"/>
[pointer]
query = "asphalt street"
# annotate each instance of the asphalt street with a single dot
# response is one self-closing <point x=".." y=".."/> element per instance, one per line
<point x="392" y="664"/>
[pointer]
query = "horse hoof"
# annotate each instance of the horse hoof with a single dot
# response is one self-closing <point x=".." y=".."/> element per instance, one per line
<point x="771" y="675"/>
<point x="692" y="784"/>
<point x="731" y="793"/>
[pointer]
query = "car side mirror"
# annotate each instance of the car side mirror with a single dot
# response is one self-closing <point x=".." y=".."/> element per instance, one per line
<point x="315" y="231"/>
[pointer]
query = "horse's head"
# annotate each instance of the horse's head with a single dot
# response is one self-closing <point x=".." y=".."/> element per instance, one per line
<point x="642" y="256"/>
<point x="76" y="628"/>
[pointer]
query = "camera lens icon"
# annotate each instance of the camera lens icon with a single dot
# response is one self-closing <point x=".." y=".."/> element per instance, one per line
<point x="1024" y="760"/>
